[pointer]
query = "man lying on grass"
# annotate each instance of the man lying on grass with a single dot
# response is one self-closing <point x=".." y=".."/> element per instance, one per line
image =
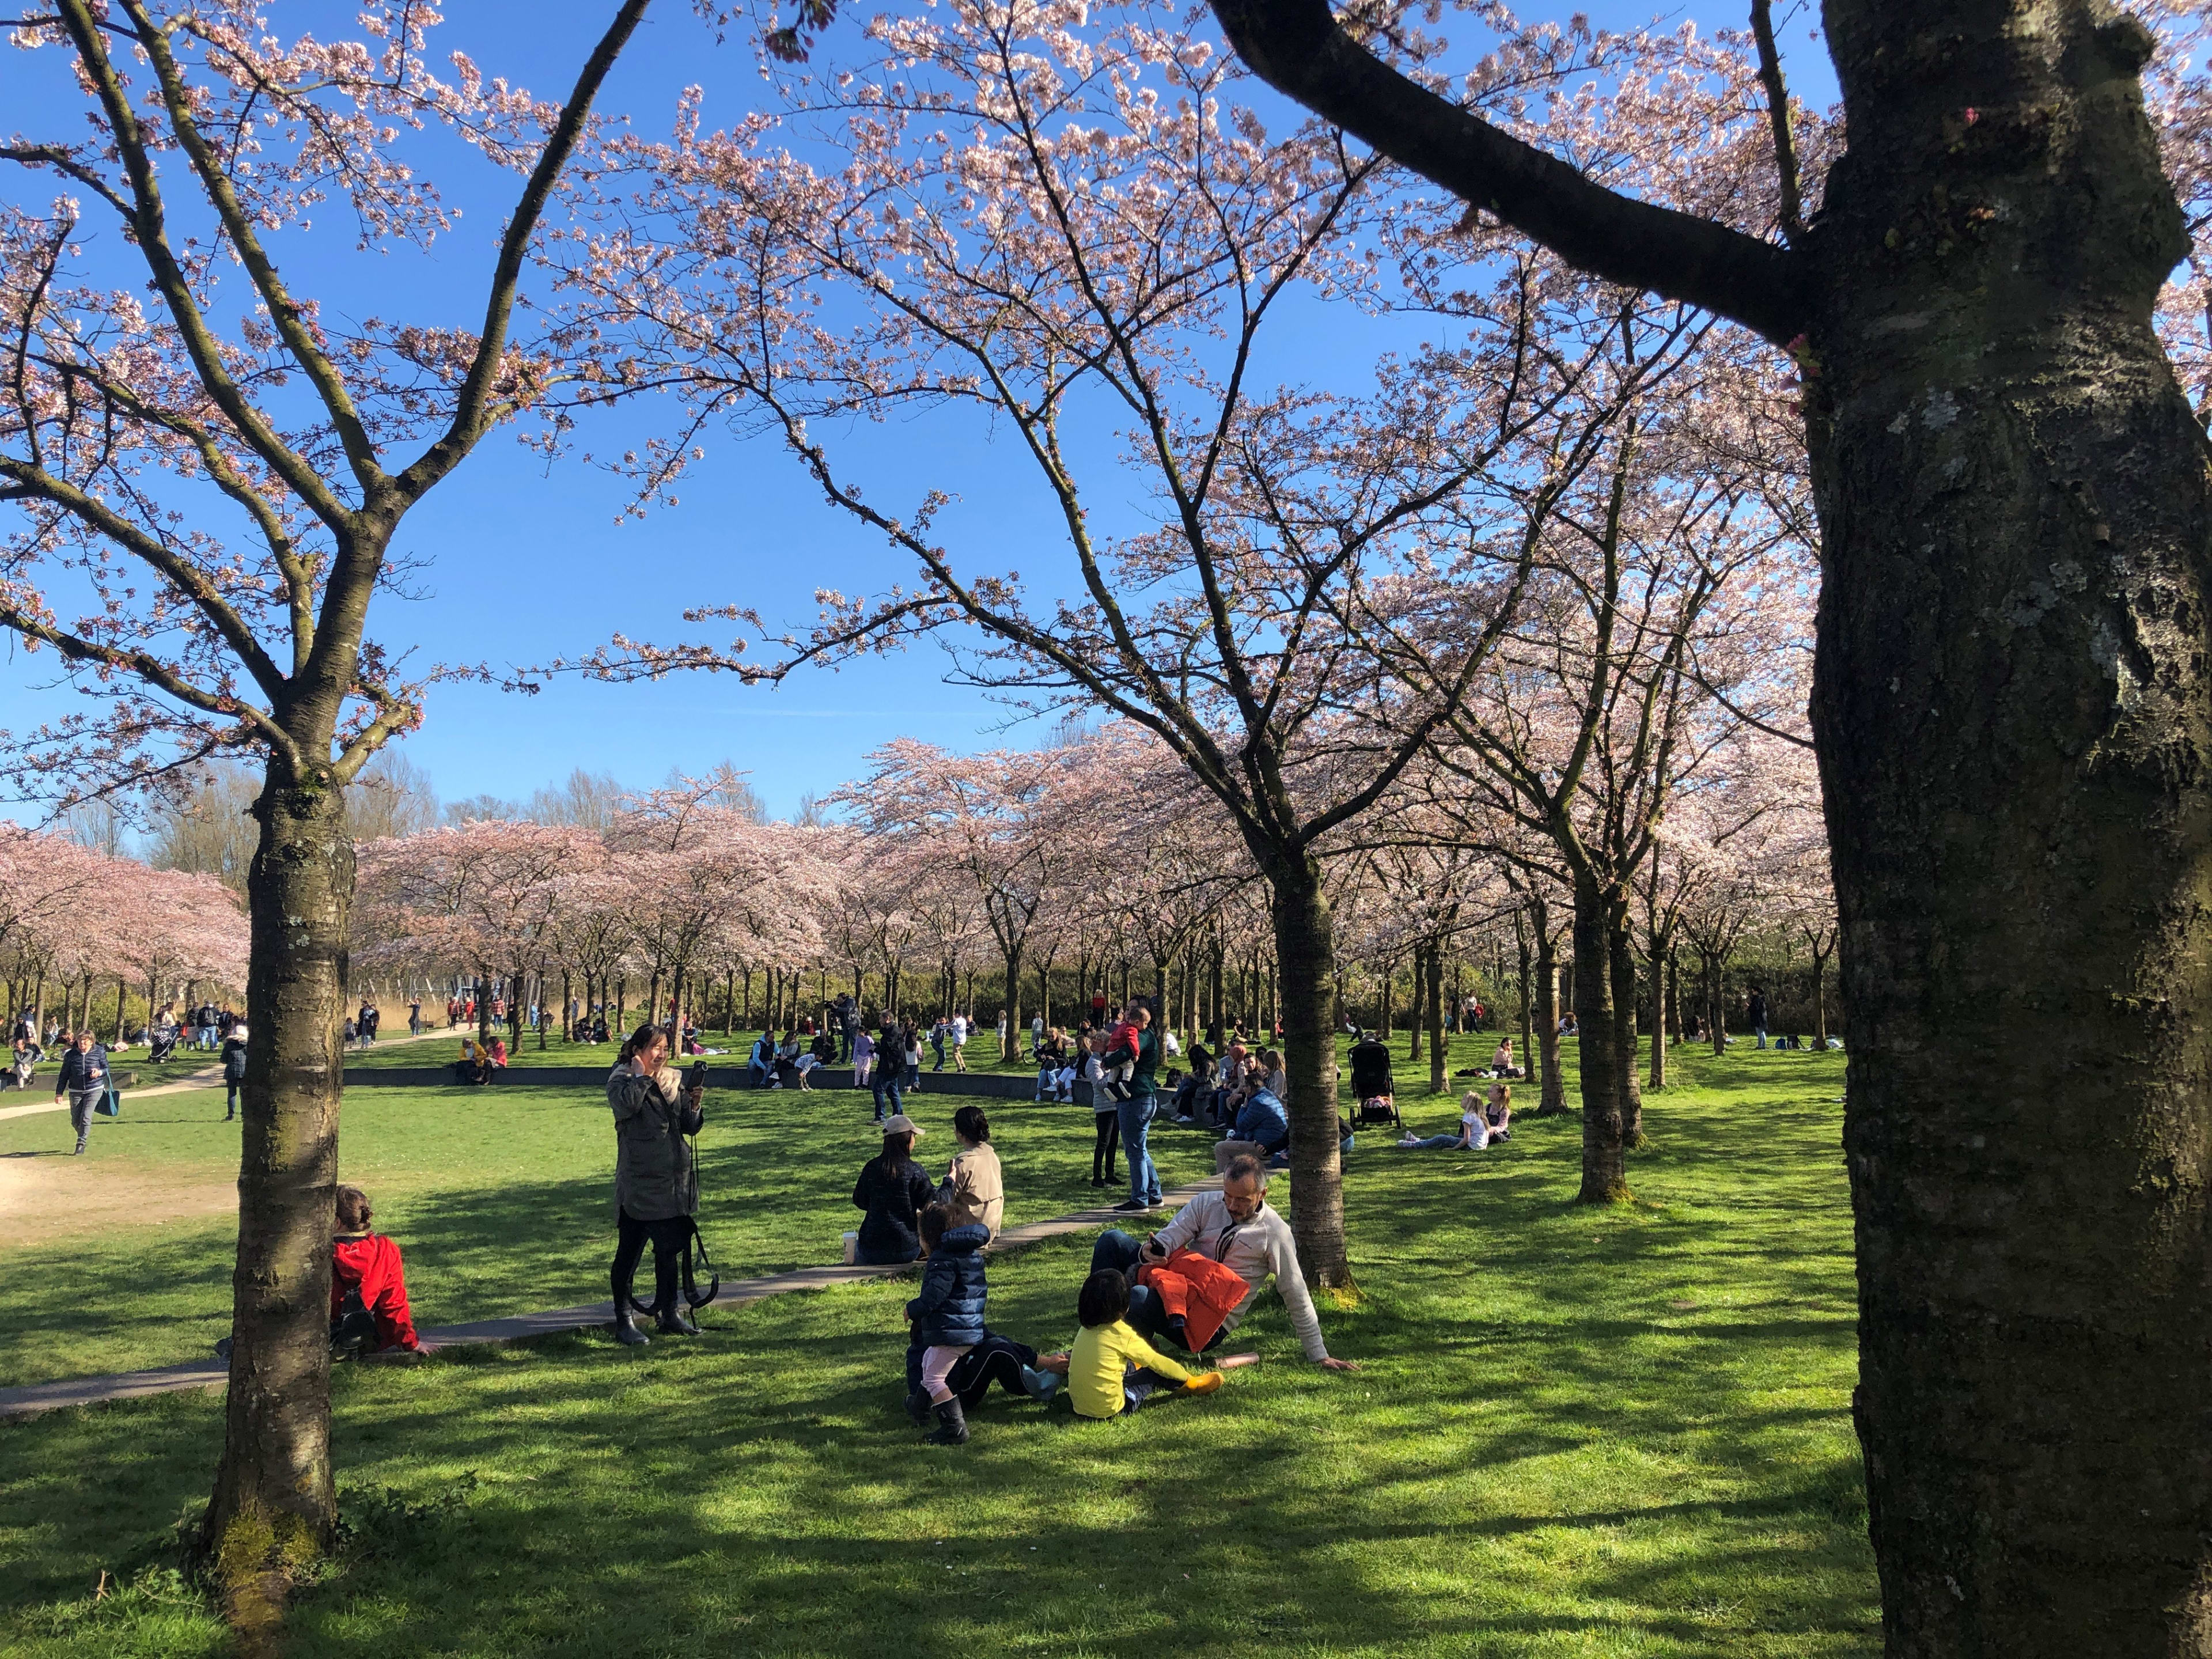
<point x="1235" y="1228"/>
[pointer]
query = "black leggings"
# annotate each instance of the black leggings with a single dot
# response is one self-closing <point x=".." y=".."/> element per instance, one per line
<point x="1102" y="1153"/>
<point x="668" y="1238"/>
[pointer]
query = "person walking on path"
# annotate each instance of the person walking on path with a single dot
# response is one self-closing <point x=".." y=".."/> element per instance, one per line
<point x="1136" y="1115"/>
<point x="83" y="1080"/>
<point x="1759" y="1014"/>
<point x="656" y="1186"/>
<point x="234" y="1069"/>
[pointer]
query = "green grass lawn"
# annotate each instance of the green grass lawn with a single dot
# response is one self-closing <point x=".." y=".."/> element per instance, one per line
<point x="1576" y="1432"/>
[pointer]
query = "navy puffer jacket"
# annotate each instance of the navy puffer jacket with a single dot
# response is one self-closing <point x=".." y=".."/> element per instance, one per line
<point x="949" y="1312"/>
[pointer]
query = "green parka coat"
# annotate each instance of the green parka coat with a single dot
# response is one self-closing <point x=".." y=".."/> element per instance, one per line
<point x="654" y="1177"/>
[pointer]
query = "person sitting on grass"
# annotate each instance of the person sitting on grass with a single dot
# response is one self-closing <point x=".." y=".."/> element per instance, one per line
<point x="1499" y="1111"/>
<point x="368" y="1286"/>
<point x="1236" y="1227"/>
<point x="1262" y="1129"/>
<point x="946" y="1318"/>
<point x="1111" y="1369"/>
<point x="1501" y="1062"/>
<point x="1473" y="1131"/>
<point x="975" y="1187"/>
<point x="893" y="1189"/>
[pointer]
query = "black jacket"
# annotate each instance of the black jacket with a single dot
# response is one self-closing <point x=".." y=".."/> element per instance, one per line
<point x="234" y="1061"/>
<point x="893" y="1195"/>
<point x="949" y="1312"/>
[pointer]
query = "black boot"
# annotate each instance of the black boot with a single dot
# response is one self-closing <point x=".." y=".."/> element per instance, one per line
<point x="672" y="1321"/>
<point x="951" y="1424"/>
<point x="626" y="1330"/>
<point x="917" y="1407"/>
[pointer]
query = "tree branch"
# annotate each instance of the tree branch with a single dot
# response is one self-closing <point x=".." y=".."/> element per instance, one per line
<point x="1297" y="48"/>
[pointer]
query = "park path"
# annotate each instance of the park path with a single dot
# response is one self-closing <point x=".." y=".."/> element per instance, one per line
<point x="213" y="1373"/>
<point x="208" y="1077"/>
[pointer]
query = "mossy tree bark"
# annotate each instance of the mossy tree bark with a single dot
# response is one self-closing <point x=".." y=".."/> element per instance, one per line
<point x="2015" y="726"/>
<point x="277" y="1441"/>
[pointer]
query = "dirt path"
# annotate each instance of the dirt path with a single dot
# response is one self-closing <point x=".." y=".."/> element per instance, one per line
<point x="47" y="1196"/>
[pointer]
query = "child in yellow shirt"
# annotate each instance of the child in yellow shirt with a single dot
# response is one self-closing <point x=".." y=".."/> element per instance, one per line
<point x="1111" y="1367"/>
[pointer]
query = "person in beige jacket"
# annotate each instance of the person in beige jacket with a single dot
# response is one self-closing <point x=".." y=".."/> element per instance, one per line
<point x="973" y="1188"/>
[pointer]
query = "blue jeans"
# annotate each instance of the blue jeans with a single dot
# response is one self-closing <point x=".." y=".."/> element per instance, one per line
<point x="1144" y="1174"/>
<point x="1434" y="1144"/>
<point x="886" y="1085"/>
<point x="1761" y="1030"/>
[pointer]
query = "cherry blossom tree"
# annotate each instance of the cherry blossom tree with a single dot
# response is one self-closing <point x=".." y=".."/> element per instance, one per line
<point x="210" y="468"/>
<point x="2011" y="708"/>
<point x="999" y="210"/>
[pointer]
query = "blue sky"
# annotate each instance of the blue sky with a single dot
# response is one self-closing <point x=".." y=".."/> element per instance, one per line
<point x="522" y="564"/>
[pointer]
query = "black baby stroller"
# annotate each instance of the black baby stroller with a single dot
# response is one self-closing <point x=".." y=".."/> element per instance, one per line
<point x="1372" y="1085"/>
<point x="165" y="1042"/>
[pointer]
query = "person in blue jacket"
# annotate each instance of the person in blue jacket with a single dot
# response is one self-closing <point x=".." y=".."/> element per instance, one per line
<point x="1261" y="1122"/>
<point x="947" y="1317"/>
<point x="83" y="1080"/>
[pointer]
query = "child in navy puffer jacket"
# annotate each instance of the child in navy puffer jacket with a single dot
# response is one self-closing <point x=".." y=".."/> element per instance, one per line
<point x="947" y="1318"/>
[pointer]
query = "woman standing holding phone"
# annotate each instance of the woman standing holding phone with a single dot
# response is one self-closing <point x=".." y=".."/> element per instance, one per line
<point x="656" y="1186"/>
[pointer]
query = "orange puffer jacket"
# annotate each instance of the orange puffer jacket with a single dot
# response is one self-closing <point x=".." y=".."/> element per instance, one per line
<point x="1196" y="1289"/>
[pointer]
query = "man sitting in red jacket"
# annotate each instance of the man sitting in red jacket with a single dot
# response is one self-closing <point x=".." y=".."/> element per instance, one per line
<point x="369" y="1283"/>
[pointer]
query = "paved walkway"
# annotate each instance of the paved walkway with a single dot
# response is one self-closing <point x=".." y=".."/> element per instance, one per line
<point x="212" y="1373"/>
<point x="208" y="1077"/>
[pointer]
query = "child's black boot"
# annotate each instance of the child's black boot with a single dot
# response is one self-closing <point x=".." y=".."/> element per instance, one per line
<point x="917" y="1407"/>
<point x="951" y="1424"/>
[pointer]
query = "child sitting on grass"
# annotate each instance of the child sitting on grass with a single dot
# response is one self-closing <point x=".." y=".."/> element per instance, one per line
<point x="368" y="1285"/>
<point x="947" y="1317"/>
<point x="1111" y="1369"/>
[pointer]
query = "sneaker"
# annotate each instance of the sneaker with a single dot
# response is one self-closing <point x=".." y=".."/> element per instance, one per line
<point x="1133" y="1204"/>
<point x="1040" y="1386"/>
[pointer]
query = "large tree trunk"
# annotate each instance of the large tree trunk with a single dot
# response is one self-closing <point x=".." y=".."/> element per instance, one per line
<point x="2014" y="726"/>
<point x="1010" y="1050"/>
<point x="1621" y="959"/>
<point x="1305" y="947"/>
<point x="1605" y="1176"/>
<point x="1657" y="1076"/>
<point x="276" y="1466"/>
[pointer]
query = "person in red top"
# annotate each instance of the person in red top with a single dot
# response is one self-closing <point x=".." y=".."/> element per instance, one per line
<point x="369" y="1263"/>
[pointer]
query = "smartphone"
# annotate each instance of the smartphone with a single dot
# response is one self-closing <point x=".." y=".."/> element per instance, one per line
<point x="698" y="1078"/>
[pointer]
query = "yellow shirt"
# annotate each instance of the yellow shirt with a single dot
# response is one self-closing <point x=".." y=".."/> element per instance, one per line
<point x="1101" y="1358"/>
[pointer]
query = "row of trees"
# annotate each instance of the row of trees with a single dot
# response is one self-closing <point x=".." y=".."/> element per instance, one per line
<point x="74" y="920"/>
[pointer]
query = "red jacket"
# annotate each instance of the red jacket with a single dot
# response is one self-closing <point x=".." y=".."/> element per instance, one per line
<point x="371" y="1264"/>
<point x="1198" y="1289"/>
